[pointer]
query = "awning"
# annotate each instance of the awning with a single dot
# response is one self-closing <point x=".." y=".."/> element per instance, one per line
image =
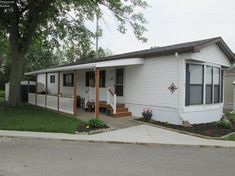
<point x="111" y="63"/>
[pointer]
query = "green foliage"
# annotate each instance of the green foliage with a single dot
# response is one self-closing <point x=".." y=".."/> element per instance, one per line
<point x="231" y="116"/>
<point x="96" y="123"/>
<point x="2" y="94"/>
<point x="28" y="25"/>
<point x="224" y="123"/>
<point x="231" y="137"/>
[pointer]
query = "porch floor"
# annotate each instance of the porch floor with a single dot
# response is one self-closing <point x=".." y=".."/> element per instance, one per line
<point x="118" y="123"/>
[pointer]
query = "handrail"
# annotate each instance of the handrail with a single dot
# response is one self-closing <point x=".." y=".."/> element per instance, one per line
<point x="112" y="93"/>
<point x="111" y="99"/>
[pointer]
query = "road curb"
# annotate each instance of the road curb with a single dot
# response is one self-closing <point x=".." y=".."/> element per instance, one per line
<point x="112" y="142"/>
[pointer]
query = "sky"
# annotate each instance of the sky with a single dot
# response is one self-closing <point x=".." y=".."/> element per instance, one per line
<point x="174" y="21"/>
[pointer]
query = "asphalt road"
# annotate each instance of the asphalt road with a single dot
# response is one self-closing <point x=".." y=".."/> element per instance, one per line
<point x="23" y="157"/>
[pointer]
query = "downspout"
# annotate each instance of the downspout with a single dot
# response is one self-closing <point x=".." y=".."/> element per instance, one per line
<point x="180" y="87"/>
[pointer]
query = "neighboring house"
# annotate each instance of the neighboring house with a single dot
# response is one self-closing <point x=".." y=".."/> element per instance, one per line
<point x="229" y="78"/>
<point x="178" y="82"/>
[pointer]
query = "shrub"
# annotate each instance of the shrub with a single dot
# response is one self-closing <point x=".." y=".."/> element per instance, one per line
<point x="224" y="124"/>
<point x="96" y="123"/>
<point x="2" y="93"/>
<point x="232" y="118"/>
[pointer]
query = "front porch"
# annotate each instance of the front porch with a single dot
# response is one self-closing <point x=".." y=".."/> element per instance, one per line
<point x="85" y="86"/>
<point x="116" y="123"/>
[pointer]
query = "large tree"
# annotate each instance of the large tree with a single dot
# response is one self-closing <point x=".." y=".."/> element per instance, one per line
<point x="26" y="20"/>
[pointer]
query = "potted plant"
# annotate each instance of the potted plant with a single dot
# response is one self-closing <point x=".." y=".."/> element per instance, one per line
<point x="147" y="114"/>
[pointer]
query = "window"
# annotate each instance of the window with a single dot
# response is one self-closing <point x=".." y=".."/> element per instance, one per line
<point x="194" y="84"/>
<point x="90" y="79"/>
<point x="209" y="84"/>
<point x="216" y="80"/>
<point x="52" y="79"/>
<point x="68" y="80"/>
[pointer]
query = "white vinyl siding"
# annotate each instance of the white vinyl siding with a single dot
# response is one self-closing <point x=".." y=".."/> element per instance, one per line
<point x="229" y="78"/>
<point x="212" y="54"/>
<point x="148" y="84"/>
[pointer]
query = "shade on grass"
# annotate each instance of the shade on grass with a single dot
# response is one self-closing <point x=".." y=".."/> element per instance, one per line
<point x="32" y="118"/>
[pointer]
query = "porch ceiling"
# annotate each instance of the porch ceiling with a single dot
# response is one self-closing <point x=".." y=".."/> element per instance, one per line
<point x="111" y="63"/>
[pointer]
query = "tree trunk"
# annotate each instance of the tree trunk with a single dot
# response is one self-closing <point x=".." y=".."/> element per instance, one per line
<point x="17" y="61"/>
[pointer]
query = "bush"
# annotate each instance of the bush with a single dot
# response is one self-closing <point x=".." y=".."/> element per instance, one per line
<point x="224" y="124"/>
<point x="2" y="93"/>
<point x="232" y="118"/>
<point x="96" y="123"/>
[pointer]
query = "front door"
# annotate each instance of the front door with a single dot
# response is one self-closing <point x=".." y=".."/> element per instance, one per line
<point x="119" y="85"/>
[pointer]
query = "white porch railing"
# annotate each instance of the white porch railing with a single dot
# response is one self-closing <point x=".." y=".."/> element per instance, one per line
<point x="41" y="100"/>
<point x="31" y="98"/>
<point x="52" y="102"/>
<point x="66" y="105"/>
<point x="112" y="100"/>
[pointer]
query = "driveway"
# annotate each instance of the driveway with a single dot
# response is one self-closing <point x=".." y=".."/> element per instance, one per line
<point x="19" y="157"/>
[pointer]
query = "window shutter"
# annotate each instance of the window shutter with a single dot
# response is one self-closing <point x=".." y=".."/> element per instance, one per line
<point x="102" y="78"/>
<point x="87" y="79"/>
<point x="187" y="92"/>
<point x="72" y="81"/>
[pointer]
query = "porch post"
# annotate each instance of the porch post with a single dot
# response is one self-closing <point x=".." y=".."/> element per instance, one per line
<point x="58" y="92"/>
<point x="36" y="89"/>
<point x="46" y="90"/>
<point x="28" y="90"/>
<point x="75" y="111"/>
<point x="97" y="92"/>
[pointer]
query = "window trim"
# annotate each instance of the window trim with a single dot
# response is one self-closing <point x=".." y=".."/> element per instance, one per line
<point x="52" y="81"/>
<point x="211" y="102"/>
<point x="68" y="84"/>
<point x="218" y="85"/>
<point x="92" y="74"/>
<point x="187" y="84"/>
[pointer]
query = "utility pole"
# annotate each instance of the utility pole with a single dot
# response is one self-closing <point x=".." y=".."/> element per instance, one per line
<point x="97" y="35"/>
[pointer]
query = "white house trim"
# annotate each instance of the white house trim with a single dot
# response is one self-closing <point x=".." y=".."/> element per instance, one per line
<point x="112" y="63"/>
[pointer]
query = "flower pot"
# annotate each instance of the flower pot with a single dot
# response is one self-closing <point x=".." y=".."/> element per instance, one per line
<point x="147" y="117"/>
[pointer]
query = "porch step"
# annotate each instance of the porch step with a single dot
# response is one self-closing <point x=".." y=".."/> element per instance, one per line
<point x="122" y="110"/>
<point x="121" y="114"/>
<point x="120" y="105"/>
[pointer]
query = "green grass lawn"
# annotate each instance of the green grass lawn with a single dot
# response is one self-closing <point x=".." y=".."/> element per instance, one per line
<point x="231" y="137"/>
<point x="32" y="118"/>
<point x="2" y="94"/>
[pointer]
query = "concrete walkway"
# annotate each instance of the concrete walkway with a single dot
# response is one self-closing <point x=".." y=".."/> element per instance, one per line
<point x="143" y="134"/>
